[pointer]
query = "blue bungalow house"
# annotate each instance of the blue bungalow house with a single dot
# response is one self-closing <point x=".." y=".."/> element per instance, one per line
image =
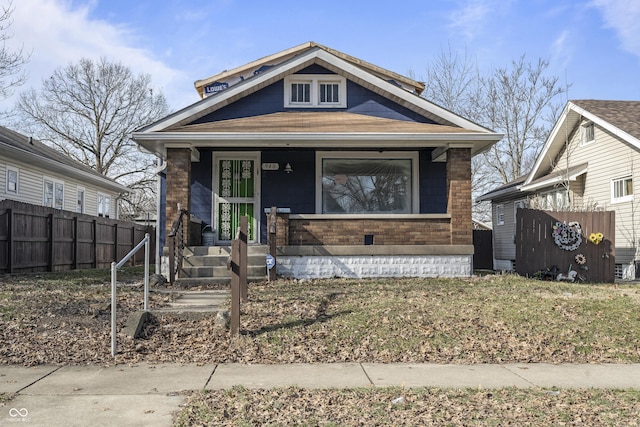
<point x="369" y="178"/>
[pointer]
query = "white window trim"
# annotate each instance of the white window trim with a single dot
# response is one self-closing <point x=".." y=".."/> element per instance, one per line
<point x="55" y="182"/>
<point x="315" y="80"/>
<point x="17" y="171"/>
<point x="622" y="199"/>
<point x="500" y="214"/>
<point x="84" y="198"/>
<point x="100" y="193"/>
<point x="411" y="155"/>
<point x="516" y="204"/>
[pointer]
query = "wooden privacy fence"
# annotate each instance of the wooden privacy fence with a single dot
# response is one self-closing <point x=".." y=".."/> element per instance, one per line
<point x="546" y="239"/>
<point x="36" y="238"/>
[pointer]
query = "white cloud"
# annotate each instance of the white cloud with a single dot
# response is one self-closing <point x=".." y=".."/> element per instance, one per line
<point x="623" y="16"/>
<point x="58" y="34"/>
<point x="470" y="18"/>
<point x="561" y="51"/>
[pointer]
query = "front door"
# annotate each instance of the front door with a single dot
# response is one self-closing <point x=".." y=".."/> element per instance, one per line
<point x="236" y="195"/>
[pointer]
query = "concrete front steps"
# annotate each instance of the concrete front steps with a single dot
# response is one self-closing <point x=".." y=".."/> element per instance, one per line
<point x="203" y="265"/>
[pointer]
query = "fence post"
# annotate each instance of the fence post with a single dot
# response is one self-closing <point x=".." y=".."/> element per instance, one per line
<point x="244" y="226"/>
<point x="115" y="241"/>
<point x="235" y="288"/>
<point x="51" y="243"/>
<point x="75" y="242"/>
<point x="10" y="246"/>
<point x="95" y="243"/>
<point x="272" y="240"/>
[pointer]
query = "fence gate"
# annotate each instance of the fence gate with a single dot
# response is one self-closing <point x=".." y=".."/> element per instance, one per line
<point x="545" y="239"/>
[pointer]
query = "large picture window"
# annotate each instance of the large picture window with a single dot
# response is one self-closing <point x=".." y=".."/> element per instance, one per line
<point x="367" y="185"/>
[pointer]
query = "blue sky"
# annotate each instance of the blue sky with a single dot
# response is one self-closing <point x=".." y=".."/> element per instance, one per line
<point x="593" y="44"/>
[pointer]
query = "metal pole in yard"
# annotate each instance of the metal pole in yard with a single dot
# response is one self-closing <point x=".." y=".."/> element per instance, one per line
<point x="146" y="272"/>
<point x="114" y="279"/>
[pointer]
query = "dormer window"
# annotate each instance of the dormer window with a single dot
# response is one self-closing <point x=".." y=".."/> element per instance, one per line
<point x="315" y="91"/>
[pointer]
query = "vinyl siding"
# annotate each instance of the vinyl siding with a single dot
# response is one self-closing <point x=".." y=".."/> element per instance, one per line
<point x="504" y="247"/>
<point x="609" y="158"/>
<point x="31" y="188"/>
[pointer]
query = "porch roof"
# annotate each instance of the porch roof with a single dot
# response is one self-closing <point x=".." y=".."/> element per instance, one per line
<point x="326" y="129"/>
<point x="318" y="122"/>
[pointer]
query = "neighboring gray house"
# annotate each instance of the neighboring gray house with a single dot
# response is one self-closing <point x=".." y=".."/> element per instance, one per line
<point x="31" y="172"/>
<point x="589" y="162"/>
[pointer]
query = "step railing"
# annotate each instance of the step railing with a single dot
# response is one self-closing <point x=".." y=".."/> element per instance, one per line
<point x="176" y="244"/>
<point x="114" y="280"/>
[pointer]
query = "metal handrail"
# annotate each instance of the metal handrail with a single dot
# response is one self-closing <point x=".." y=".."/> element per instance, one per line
<point x="175" y="241"/>
<point x="114" y="279"/>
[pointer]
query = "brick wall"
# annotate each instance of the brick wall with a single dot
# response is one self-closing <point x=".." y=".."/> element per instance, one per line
<point x="459" y="197"/>
<point x="352" y="231"/>
<point x="178" y="183"/>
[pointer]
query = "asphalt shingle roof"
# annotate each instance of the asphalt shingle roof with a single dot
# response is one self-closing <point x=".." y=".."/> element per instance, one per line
<point x="625" y="115"/>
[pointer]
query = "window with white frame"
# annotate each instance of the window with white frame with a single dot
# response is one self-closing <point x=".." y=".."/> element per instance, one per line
<point x="315" y="90"/>
<point x="367" y="183"/>
<point x="13" y="176"/>
<point x="587" y="132"/>
<point x="518" y="204"/>
<point x="500" y="214"/>
<point x="53" y="193"/>
<point x="104" y="205"/>
<point x="80" y="200"/>
<point x="557" y="200"/>
<point x="622" y="189"/>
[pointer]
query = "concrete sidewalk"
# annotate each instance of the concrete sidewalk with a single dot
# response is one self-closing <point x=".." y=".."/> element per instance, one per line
<point x="148" y="394"/>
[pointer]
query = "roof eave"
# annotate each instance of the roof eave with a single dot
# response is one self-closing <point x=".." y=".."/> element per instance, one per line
<point x="104" y="182"/>
<point x="157" y="142"/>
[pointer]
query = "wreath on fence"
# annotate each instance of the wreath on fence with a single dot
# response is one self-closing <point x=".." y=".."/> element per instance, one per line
<point x="567" y="236"/>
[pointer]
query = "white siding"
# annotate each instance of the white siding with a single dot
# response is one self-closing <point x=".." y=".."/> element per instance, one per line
<point x="504" y="247"/>
<point x="31" y="183"/>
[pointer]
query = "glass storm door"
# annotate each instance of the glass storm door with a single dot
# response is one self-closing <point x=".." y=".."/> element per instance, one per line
<point x="236" y="197"/>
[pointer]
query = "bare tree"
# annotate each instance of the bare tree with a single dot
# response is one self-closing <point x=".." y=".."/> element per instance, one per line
<point x="519" y="102"/>
<point x="12" y="73"/>
<point x="88" y="111"/>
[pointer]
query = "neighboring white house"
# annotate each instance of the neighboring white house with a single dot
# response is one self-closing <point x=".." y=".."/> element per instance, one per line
<point x="589" y="162"/>
<point x="31" y="172"/>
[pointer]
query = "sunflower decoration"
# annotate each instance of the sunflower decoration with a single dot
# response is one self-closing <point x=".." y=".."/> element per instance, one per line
<point x="595" y="238"/>
<point x="581" y="259"/>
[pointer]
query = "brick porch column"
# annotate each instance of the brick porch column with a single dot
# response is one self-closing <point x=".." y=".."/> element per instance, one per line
<point x="178" y="183"/>
<point x="459" y="197"/>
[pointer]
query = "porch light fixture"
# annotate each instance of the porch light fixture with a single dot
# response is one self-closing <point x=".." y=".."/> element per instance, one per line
<point x="288" y="168"/>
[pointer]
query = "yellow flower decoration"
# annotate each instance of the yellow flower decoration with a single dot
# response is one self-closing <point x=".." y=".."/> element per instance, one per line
<point x="596" y="238"/>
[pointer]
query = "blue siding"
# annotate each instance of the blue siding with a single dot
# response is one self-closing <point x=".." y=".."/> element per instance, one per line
<point x="271" y="100"/>
<point x="315" y="69"/>
<point x="433" y="184"/>
<point x="201" y="187"/>
<point x="295" y="190"/>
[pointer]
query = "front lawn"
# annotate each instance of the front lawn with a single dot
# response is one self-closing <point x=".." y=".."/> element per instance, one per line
<point x="488" y="319"/>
